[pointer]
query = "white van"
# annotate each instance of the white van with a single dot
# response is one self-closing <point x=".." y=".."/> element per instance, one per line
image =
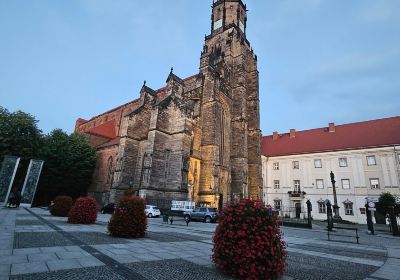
<point x="152" y="211"/>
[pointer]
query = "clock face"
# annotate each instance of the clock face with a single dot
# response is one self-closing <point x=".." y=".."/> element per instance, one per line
<point x="218" y="24"/>
<point x="241" y="26"/>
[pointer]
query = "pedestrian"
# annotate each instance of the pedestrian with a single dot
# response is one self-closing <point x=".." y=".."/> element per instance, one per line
<point x="11" y="199"/>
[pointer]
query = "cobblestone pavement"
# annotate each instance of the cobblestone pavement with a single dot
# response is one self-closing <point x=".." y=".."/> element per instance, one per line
<point x="36" y="245"/>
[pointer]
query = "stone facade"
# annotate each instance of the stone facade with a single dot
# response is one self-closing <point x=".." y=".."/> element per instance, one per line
<point x="197" y="138"/>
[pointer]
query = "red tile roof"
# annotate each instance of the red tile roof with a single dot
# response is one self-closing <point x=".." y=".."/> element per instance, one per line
<point x="106" y="130"/>
<point x="368" y="134"/>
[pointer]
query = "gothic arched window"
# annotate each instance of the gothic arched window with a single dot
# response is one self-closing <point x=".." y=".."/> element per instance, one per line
<point x="109" y="169"/>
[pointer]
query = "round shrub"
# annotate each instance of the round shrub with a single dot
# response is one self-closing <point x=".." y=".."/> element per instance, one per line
<point x="248" y="242"/>
<point x="129" y="218"/>
<point x="61" y="206"/>
<point x="84" y="211"/>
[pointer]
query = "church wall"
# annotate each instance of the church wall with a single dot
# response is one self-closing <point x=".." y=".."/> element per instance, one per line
<point x="102" y="179"/>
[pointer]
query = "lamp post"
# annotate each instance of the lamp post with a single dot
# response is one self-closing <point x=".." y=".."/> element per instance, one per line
<point x="335" y="205"/>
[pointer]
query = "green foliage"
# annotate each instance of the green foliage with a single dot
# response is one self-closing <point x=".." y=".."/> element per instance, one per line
<point x="70" y="162"/>
<point x="386" y="202"/>
<point x="19" y="134"/>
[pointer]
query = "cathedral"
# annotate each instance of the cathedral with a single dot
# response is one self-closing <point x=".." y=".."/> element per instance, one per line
<point x="197" y="138"/>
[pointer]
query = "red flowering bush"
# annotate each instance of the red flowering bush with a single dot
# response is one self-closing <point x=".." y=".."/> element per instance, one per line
<point x="129" y="218"/>
<point x="84" y="211"/>
<point x="248" y="242"/>
<point x="61" y="206"/>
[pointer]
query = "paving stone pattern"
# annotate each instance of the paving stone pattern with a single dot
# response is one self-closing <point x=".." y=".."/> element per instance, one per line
<point x="342" y="251"/>
<point x="313" y="268"/>
<point x="173" y="237"/>
<point x="170" y="252"/>
<point x="100" y="273"/>
<point x="39" y="239"/>
<point x="26" y="222"/>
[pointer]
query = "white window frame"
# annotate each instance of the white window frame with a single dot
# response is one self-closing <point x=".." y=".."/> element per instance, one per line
<point x="275" y="166"/>
<point x="277" y="204"/>
<point x="296" y="184"/>
<point x="371" y="163"/>
<point x="276" y="184"/>
<point x="343" y="185"/>
<point x="343" y="160"/>
<point x="316" y="165"/>
<point x="374" y="185"/>
<point x="319" y="180"/>
<point x="296" y="164"/>
<point x="348" y="209"/>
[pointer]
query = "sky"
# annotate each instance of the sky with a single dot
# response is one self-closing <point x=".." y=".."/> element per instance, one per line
<point x="319" y="61"/>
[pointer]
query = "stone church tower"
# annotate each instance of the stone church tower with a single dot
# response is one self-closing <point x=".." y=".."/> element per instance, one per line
<point x="195" y="139"/>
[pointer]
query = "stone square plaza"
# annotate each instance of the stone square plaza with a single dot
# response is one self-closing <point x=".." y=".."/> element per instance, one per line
<point x="36" y="245"/>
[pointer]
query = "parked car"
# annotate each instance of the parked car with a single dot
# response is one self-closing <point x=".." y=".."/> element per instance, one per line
<point x="108" y="209"/>
<point x="203" y="214"/>
<point x="152" y="211"/>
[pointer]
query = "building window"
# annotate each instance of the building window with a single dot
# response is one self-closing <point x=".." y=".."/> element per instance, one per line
<point x="146" y="176"/>
<point x="296" y="165"/>
<point x="109" y="170"/>
<point x="276" y="184"/>
<point x="321" y="207"/>
<point x="362" y="211"/>
<point x="346" y="183"/>
<point x="296" y="185"/>
<point x="166" y="163"/>
<point x="317" y="163"/>
<point x="320" y="183"/>
<point x="343" y="162"/>
<point x="277" y="204"/>
<point x="374" y="183"/>
<point x="276" y="165"/>
<point x="348" y="208"/>
<point x="371" y="160"/>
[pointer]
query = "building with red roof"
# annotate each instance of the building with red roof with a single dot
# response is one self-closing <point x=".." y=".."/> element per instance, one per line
<point x="364" y="157"/>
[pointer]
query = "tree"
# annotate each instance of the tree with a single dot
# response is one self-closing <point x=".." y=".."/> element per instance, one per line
<point x="70" y="162"/>
<point x="19" y="136"/>
<point x="385" y="203"/>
